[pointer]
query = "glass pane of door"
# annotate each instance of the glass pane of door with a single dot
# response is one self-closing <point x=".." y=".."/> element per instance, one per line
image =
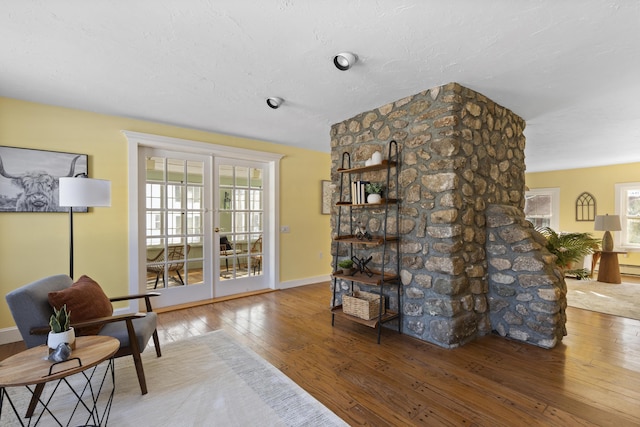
<point x="174" y="222"/>
<point x="240" y="226"/>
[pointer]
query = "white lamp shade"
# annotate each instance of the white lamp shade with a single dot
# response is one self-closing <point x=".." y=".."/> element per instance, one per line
<point x="607" y="223"/>
<point x="79" y="191"/>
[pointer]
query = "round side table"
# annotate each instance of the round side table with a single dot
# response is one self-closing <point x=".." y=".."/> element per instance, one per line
<point x="31" y="369"/>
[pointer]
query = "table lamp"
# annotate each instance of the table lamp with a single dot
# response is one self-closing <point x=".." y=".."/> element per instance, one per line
<point x="607" y="223"/>
<point x="81" y="191"/>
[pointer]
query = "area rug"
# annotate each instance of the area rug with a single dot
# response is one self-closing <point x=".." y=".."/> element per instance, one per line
<point x="210" y="380"/>
<point x="618" y="299"/>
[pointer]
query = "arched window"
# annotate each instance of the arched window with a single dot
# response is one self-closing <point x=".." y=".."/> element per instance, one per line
<point x="585" y="207"/>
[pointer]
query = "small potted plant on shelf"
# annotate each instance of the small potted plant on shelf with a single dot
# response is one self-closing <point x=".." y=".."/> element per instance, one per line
<point x="374" y="192"/>
<point x="61" y="331"/>
<point x="347" y="267"/>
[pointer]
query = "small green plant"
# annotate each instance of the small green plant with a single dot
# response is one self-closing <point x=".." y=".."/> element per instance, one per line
<point x="346" y="263"/>
<point x="60" y="320"/>
<point x="373" y="188"/>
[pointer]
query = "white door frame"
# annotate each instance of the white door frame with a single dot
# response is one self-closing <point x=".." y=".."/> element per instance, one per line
<point x="136" y="198"/>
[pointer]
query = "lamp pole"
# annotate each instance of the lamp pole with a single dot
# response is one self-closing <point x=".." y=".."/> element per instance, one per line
<point x="71" y="241"/>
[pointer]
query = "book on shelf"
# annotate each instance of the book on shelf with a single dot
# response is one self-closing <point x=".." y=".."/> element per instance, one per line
<point x="358" y="192"/>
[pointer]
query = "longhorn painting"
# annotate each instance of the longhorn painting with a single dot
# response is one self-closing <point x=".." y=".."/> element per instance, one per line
<point x="29" y="178"/>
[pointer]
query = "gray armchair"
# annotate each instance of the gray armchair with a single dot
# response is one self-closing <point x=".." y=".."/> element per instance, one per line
<point x="31" y="310"/>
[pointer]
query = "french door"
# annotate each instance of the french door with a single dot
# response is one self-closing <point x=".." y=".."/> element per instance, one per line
<point x="202" y="219"/>
<point x="204" y="232"/>
<point x="239" y="226"/>
<point x="177" y="244"/>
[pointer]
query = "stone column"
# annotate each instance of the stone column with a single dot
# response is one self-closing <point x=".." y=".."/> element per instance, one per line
<point x="460" y="152"/>
<point x="527" y="291"/>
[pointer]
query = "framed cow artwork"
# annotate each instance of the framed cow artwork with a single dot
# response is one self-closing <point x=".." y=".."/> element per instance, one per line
<point x="29" y="178"/>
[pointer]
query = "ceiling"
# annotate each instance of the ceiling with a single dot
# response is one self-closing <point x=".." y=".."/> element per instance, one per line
<point x="570" y="68"/>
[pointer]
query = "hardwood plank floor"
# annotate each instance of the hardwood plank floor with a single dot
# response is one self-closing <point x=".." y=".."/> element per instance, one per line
<point x="590" y="379"/>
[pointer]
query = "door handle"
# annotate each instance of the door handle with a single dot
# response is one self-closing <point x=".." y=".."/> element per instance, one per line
<point x="217" y="230"/>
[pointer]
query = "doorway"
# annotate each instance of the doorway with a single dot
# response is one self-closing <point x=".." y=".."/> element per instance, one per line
<point x="184" y="197"/>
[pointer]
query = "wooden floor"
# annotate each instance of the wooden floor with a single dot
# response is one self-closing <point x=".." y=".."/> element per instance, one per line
<point x="592" y="378"/>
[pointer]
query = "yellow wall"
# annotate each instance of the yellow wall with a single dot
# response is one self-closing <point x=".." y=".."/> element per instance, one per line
<point x="34" y="245"/>
<point x="600" y="182"/>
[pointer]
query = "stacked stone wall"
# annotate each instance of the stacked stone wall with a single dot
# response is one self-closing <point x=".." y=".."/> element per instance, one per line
<point x="459" y="153"/>
<point x="527" y="292"/>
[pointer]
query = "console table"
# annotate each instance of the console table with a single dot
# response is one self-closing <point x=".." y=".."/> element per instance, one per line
<point x="31" y="369"/>
<point x="609" y="269"/>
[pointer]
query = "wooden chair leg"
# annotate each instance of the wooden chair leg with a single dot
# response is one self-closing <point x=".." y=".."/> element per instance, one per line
<point x="157" y="278"/>
<point x="137" y="359"/>
<point x="37" y="392"/>
<point x="156" y="343"/>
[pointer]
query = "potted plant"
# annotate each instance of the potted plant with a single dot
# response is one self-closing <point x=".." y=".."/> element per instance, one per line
<point x="374" y="191"/>
<point x="347" y="267"/>
<point x="570" y="248"/>
<point x="61" y="331"/>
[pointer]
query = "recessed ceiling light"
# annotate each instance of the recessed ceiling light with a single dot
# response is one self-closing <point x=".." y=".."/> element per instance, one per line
<point x="345" y="60"/>
<point x="274" y="102"/>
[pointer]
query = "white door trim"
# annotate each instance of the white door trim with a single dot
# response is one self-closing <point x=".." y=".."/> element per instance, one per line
<point x="135" y="140"/>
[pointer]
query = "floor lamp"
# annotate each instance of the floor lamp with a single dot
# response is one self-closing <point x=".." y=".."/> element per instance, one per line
<point x="81" y="191"/>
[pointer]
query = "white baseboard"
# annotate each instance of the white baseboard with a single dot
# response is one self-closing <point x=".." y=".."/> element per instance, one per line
<point x="9" y="335"/>
<point x="302" y="282"/>
<point x="631" y="270"/>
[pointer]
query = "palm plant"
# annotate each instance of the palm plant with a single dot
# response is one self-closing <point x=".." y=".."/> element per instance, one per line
<point x="570" y="248"/>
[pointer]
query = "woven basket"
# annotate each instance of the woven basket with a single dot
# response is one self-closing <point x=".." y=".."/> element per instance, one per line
<point x="363" y="305"/>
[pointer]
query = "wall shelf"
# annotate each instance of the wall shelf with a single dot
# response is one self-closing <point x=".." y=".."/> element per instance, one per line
<point x="385" y="165"/>
<point x="353" y="243"/>
<point x="375" y="240"/>
<point x="382" y="203"/>
<point x="375" y="280"/>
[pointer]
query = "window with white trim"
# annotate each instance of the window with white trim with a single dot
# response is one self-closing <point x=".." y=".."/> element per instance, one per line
<point x="628" y="208"/>
<point x="542" y="207"/>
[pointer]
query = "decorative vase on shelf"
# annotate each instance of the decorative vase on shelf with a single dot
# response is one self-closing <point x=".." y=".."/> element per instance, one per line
<point x="374" y="198"/>
<point x="376" y="158"/>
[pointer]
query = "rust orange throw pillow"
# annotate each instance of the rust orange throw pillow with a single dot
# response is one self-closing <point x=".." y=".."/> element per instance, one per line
<point x="85" y="300"/>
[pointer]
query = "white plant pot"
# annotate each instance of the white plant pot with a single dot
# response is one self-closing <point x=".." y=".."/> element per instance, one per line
<point x="54" y="339"/>
<point x="374" y="198"/>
